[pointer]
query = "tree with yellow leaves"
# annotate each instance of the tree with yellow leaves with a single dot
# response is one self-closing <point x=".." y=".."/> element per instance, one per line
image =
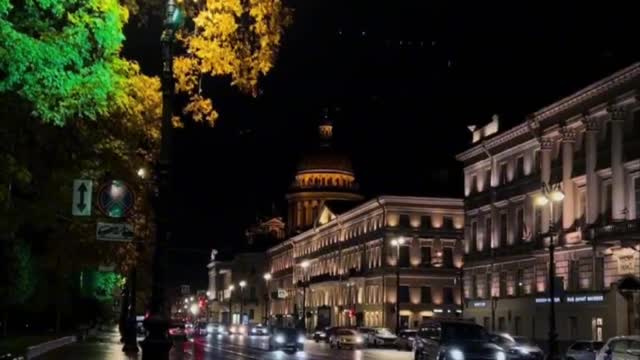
<point x="235" y="38"/>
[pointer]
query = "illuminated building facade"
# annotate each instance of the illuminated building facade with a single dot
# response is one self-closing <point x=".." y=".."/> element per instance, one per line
<point x="589" y="145"/>
<point x="345" y="266"/>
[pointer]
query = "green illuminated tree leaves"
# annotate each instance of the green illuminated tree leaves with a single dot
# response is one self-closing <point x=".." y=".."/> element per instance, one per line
<point x="62" y="56"/>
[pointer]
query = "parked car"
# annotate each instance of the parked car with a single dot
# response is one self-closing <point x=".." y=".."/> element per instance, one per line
<point x="583" y="350"/>
<point x="381" y="337"/>
<point x="621" y="348"/>
<point x="287" y="339"/>
<point x="367" y="334"/>
<point x="344" y="338"/>
<point x="237" y="329"/>
<point x="259" y="329"/>
<point x="321" y="334"/>
<point x="517" y="347"/>
<point x="405" y="339"/>
<point x="456" y="340"/>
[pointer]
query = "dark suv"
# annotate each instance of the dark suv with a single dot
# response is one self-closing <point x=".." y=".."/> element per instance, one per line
<point x="455" y="340"/>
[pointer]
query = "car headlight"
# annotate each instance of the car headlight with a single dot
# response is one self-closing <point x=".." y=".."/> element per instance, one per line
<point x="280" y="339"/>
<point x="209" y="328"/>
<point x="520" y="350"/>
<point x="301" y="339"/>
<point x="359" y="340"/>
<point x="456" y="354"/>
<point x="501" y="356"/>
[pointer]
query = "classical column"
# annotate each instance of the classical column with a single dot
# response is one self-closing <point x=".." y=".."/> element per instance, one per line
<point x="546" y="145"/>
<point x="591" y="154"/>
<point x="568" y="205"/>
<point x="617" y="114"/>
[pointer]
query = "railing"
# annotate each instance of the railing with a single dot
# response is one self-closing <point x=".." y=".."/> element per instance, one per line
<point x="619" y="230"/>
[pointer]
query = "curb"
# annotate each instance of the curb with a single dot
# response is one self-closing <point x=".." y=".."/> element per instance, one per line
<point x="37" y="350"/>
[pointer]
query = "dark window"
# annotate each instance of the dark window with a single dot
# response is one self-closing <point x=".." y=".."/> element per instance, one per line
<point x="536" y="161"/>
<point x="474" y="184"/>
<point x="538" y="220"/>
<point x="573" y="327"/>
<point x="502" y="324"/>
<point x="503" y="284"/>
<point x="636" y="124"/>
<point x="599" y="272"/>
<point x="251" y="314"/>
<point x="404" y="220"/>
<point x="503" y="229"/>
<point x="447" y="257"/>
<point x="404" y="256"/>
<point x="425" y="295"/>
<point x="447" y="222"/>
<point x="503" y="173"/>
<point x="474" y="286"/>
<point x="519" y="283"/>
<point x="518" y="325"/>
<point x="520" y="167"/>
<point x="252" y="293"/>
<point x="404" y="294"/>
<point x="404" y="321"/>
<point x="487" y="233"/>
<point x="574" y="275"/>
<point x="426" y="255"/>
<point x="487" y="179"/>
<point x="474" y="235"/>
<point x="487" y="285"/>
<point x="425" y="221"/>
<point x="447" y="295"/>
<point x="519" y="225"/>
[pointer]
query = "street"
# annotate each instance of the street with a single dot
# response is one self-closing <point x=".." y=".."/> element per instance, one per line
<point x="241" y="347"/>
<point x="221" y="347"/>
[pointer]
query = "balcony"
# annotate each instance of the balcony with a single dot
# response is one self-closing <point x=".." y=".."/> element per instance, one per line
<point x="624" y="231"/>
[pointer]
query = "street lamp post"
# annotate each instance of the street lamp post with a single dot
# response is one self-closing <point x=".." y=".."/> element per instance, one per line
<point x="242" y="285"/>
<point x="397" y="243"/>
<point x="267" y="278"/>
<point x="156" y="345"/>
<point x="549" y="196"/>
<point x="305" y="265"/>
<point x="231" y="287"/>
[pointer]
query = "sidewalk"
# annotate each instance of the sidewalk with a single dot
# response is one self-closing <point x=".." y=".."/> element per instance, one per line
<point x="104" y="345"/>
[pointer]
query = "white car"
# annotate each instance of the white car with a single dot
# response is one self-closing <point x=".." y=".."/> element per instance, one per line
<point x="343" y="338"/>
<point x="621" y="348"/>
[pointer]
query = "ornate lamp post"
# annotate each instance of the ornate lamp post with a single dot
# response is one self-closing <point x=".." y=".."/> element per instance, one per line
<point x="242" y="285"/>
<point x="549" y="196"/>
<point x="397" y="243"/>
<point x="304" y="265"/>
<point x="267" y="278"/>
<point x="156" y="345"/>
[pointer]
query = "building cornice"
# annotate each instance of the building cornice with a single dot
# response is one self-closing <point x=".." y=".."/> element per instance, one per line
<point x="586" y="94"/>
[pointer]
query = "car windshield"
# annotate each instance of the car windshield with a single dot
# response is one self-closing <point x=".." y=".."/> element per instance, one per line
<point x="598" y="345"/>
<point x="463" y="332"/>
<point x="345" y="332"/>
<point x="383" y="332"/>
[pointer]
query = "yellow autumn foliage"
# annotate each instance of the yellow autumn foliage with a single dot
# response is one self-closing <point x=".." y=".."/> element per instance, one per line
<point x="238" y="38"/>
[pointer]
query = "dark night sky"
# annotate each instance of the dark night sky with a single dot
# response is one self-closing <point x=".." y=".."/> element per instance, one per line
<point x="407" y="77"/>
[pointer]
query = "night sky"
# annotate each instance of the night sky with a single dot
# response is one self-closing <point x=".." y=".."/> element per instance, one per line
<point x="403" y="79"/>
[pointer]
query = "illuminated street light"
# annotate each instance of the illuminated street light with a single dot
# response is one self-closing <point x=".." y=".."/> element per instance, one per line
<point x="142" y="173"/>
<point x="191" y="298"/>
<point x="267" y="276"/>
<point x="550" y="195"/>
<point x="305" y="264"/>
<point x="397" y="242"/>
<point x="194" y="309"/>
<point x="242" y="284"/>
<point x="186" y="301"/>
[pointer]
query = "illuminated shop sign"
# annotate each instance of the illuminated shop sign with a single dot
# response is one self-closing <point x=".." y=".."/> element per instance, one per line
<point x="546" y="300"/>
<point x="477" y="304"/>
<point x="585" y="298"/>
